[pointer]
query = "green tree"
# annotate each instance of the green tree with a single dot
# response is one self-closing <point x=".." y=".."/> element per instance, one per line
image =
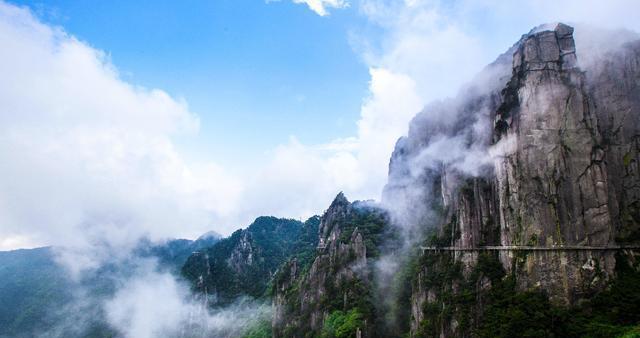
<point x="342" y="325"/>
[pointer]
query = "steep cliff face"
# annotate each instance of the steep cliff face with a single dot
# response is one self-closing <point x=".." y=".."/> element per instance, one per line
<point x="537" y="152"/>
<point x="614" y="84"/>
<point x="552" y="183"/>
<point x="337" y="284"/>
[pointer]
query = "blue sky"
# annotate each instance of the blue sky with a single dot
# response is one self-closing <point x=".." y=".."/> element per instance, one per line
<point x="254" y="72"/>
<point x="124" y="119"/>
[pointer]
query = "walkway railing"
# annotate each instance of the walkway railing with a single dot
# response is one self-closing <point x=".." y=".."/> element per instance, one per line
<point x="534" y="248"/>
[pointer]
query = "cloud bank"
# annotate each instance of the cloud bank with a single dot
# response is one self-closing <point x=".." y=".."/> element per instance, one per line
<point x="154" y="304"/>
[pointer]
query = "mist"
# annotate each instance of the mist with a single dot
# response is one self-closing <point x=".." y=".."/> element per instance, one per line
<point x="94" y="163"/>
<point x="155" y="304"/>
<point x="138" y="298"/>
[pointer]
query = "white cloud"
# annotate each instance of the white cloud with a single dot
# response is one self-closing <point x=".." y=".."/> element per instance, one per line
<point x="153" y="304"/>
<point x="84" y="152"/>
<point x="320" y="7"/>
<point x="13" y="242"/>
<point x="301" y="180"/>
<point x="385" y="116"/>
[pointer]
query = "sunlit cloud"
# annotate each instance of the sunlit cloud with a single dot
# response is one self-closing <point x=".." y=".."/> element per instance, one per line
<point x="320" y="7"/>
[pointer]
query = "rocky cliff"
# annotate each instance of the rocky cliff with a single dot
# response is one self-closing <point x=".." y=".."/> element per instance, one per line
<point x="336" y="288"/>
<point x="532" y="173"/>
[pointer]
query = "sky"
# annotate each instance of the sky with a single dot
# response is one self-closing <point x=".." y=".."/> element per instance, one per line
<point x="254" y="72"/>
<point x="124" y="119"/>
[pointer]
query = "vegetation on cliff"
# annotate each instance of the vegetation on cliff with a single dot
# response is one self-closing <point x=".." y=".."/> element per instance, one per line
<point x="244" y="263"/>
<point x="487" y="303"/>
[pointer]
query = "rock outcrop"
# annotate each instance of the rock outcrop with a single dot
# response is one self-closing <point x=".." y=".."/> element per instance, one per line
<point x="339" y="277"/>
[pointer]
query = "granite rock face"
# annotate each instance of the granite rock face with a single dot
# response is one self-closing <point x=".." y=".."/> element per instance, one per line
<point x="553" y="185"/>
<point x="536" y="151"/>
<point x="614" y="84"/>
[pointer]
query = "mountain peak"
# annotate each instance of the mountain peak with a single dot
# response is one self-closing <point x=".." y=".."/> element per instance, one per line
<point x="558" y="27"/>
<point x="340" y="199"/>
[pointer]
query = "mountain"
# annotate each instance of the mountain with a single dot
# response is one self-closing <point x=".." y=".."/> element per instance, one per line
<point x="350" y="235"/>
<point x="563" y="179"/>
<point x="244" y="263"/>
<point x="516" y="209"/>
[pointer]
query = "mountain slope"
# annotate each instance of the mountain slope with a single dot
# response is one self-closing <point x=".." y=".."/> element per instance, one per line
<point x="244" y="263"/>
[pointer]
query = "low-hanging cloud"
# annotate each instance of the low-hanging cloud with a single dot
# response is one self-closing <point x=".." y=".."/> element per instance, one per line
<point x="153" y="304"/>
<point x="139" y="299"/>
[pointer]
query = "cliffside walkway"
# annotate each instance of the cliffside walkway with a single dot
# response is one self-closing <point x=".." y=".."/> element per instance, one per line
<point x="533" y="248"/>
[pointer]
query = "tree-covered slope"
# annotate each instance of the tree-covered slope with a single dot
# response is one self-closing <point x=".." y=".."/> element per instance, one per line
<point x="30" y="285"/>
<point x="244" y="263"/>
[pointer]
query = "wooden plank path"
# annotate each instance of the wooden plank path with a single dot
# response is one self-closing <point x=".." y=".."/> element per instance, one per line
<point x="534" y="248"/>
